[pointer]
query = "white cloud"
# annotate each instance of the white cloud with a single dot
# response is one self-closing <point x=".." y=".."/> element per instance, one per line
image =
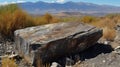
<point x="21" y="1"/>
<point x="60" y="1"/>
<point x="12" y="2"/>
<point x="4" y="3"/>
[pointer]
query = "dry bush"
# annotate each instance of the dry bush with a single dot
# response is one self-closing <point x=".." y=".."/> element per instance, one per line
<point x="55" y="20"/>
<point x="45" y="19"/>
<point x="109" y="34"/>
<point x="40" y="20"/>
<point x="88" y="19"/>
<point x="48" y="17"/>
<point x="6" y="62"/>
<point x="107" y="23"/>
<point x="70" y="19"/>
<point x="13" y="18"/>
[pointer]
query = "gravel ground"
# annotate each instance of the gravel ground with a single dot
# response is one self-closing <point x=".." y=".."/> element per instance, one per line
<point x="102" y="60"/>
<point x="99" y="56"/>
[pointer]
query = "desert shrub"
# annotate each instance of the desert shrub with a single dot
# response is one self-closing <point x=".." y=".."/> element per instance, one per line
<point x="48" y="17"/>
<point x="6" y="62"/>
<point x="88" y="19"/>
<point x="111" y="16"/>
<point x="107" y="23"/>
<point x="109" y="34"/>
<point x="12" y="18"/>
<point x="41" y="20"/>
<point x="55" y="20"/>
<point x="70" y="19"/>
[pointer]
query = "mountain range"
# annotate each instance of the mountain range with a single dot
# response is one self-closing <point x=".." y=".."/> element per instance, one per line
<point x="83" y="7"/>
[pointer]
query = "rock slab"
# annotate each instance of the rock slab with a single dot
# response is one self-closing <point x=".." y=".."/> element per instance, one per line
<point x="51" y="41"/>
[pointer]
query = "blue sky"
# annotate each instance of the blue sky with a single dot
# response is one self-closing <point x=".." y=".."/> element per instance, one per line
<point x="101" y="2"/>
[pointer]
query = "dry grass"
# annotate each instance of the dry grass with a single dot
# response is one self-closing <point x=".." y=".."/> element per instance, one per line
<point x="13" y="18"/>
<point x="88" y="19"/>
<point x="107" y="23"/>
<point x="6" y="62"/>
<point x="109" y="34"/>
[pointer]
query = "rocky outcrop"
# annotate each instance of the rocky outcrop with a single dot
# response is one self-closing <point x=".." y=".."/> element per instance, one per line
<point x="47" y="42"/>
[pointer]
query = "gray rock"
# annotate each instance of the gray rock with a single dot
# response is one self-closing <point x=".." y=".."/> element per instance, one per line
<point x="51" y="41"/>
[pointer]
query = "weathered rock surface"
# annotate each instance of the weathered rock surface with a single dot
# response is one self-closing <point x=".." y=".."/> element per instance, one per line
<point x="52" y="41"/>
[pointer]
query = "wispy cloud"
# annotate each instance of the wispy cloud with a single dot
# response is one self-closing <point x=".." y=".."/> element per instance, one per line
<point x="3" y="3"/>
<point x="60" y="1"/>
<point x="12" y="2"/>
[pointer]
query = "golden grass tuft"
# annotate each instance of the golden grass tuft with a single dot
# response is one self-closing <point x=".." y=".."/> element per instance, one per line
<point x="107" y="23"/>
<point x="12" y="18"/>
<point x="88" y="19"/>
<point x="6" y="62"/>
<point x="109" y="34"/>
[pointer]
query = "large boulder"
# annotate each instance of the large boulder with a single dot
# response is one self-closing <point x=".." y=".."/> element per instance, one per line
<point x="48" y="42"/>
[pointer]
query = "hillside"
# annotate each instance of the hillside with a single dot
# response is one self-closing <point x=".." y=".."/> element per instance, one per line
<point x="83" y="7"/>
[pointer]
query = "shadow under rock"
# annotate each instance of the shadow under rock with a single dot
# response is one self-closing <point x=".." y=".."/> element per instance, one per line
<point x="87" y="54"/>
<point x="95" y="51"/>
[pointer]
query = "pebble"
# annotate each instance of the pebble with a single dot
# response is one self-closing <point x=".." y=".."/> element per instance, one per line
<point x="117" y="50"/>
<point x="104" y="61"/>
<point x="55" y="64"/>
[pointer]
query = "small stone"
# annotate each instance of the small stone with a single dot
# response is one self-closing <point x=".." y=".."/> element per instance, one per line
<point x="104" y="61"/>
<point x="106" y="42"/>
<point x="117" y="50"/>
<point x="55" y="64"/>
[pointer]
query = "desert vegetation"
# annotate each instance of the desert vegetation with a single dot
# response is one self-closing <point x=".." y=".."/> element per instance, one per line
<point x="107" y="23"/>
<point x="12" y="18"/>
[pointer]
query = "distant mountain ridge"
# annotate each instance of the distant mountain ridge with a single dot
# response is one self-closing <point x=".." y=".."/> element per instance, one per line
<point x="43" y="7"/>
